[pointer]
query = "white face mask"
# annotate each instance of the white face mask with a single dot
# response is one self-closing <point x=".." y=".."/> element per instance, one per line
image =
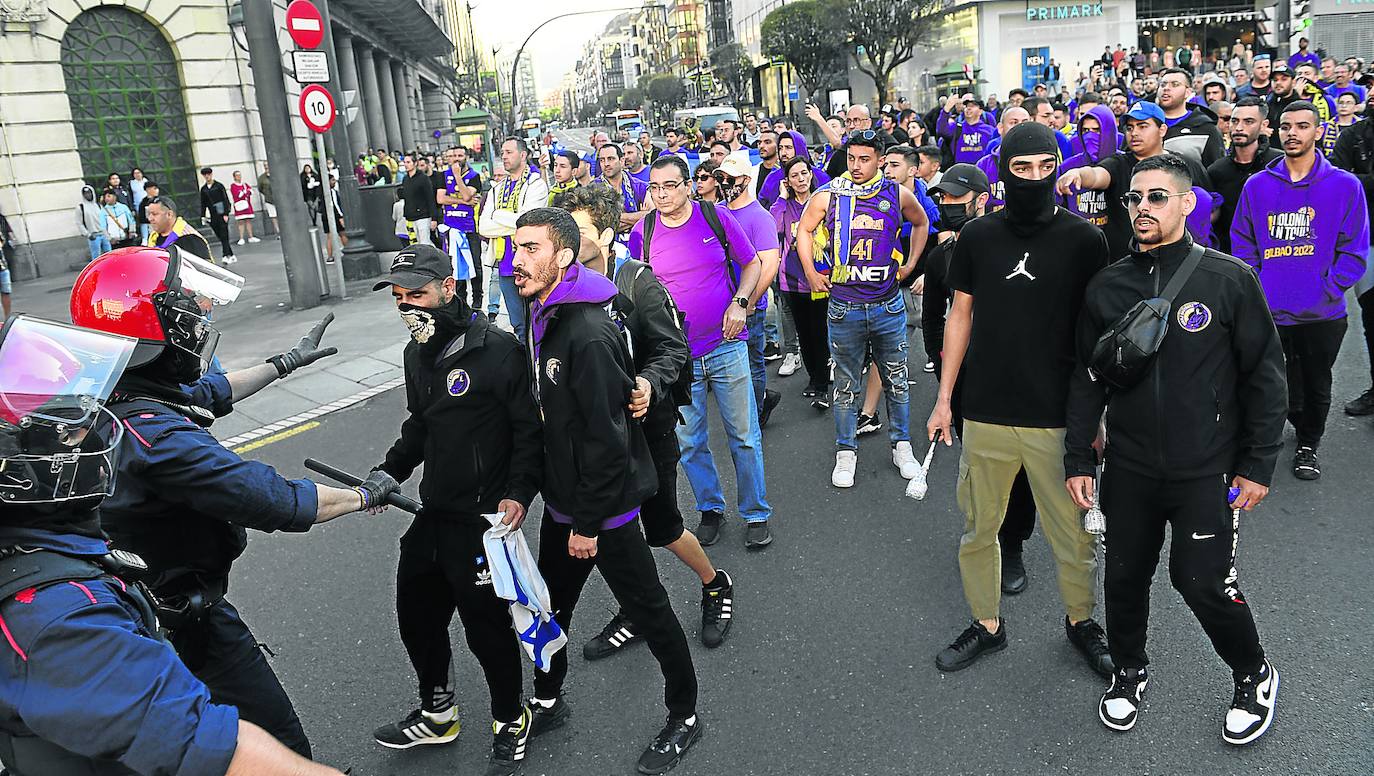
<point x="420" y="322"/>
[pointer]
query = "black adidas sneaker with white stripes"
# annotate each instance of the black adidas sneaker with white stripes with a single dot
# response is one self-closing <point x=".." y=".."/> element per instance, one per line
<point x="618" y="634"/>
<point x="717" y="610"/>
<point x="508" y="741"/>
<point x="419" y="727"/>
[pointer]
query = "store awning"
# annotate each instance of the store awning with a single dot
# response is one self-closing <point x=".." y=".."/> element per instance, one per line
<point x="422" y="35"/>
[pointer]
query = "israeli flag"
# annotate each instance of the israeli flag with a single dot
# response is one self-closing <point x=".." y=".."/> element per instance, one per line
<point x="459" y="251"/>
<point x="516" y="578"/>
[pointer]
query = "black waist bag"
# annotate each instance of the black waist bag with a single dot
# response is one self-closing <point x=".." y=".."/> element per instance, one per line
<point x="1125" y="351"/>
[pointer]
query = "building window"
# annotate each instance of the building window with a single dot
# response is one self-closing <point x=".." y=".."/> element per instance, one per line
<point x="125" y="90"/>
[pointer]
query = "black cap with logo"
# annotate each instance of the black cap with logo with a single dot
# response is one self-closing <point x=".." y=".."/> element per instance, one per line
<point x="960" y="179"/>
<point x="415" y="266"/>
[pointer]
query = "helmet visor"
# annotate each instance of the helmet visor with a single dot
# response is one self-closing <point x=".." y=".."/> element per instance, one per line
<point x="56" y="374"/>
<point x="203" y="279"/>
<point x="49" y="464"/>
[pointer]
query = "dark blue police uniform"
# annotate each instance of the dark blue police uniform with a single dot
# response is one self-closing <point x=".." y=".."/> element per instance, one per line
<point x="88" y="689"/>
<point x="183" y="501"/>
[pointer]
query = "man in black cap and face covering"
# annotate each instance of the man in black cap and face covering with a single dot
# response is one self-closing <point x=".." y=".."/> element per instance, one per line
<point x="1023" y="270"/>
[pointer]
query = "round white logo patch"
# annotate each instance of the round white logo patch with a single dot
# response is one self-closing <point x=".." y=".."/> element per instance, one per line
<point x="458" y="382"/>
<point x="1194" y="316"/>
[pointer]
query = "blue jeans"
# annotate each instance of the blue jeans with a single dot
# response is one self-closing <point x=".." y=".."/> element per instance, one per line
<point x="726" y="371"/>
<point x="100" y="244"/>
<point x="493" y="289"/>
<point x="860" y="333"/>
<point x="143" y="231"/>
<point x="515" y="305"/>
<point x="757" y="371"/>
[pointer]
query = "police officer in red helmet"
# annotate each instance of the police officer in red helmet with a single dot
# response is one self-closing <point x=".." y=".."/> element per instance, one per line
<point x="185" y="501"/>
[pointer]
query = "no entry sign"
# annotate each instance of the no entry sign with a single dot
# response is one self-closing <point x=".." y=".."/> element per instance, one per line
<point x="304" y="24"/>
<point x="317" y="108"/>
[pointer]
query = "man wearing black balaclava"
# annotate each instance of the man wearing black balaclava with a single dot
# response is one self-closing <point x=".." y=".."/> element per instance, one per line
<point x="473" y="423"/>
<point x="1023" y="270"/>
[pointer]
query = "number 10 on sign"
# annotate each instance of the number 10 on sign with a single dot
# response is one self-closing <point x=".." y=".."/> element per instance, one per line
<point x="317" y="108"/>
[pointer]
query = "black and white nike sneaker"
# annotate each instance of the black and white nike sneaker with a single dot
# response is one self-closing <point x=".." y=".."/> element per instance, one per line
<point x="419" y="727"/>
<point x="508" y="741"/>
<point x="671" y="743"/>
<point x="1252" y="707"/>
<point x="1121" y="703"/>
<point x="618" y="634"/>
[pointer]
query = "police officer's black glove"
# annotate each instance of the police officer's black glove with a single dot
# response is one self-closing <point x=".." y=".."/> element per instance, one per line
<point x="376" y="488"/>
<point x="306" y="352"/>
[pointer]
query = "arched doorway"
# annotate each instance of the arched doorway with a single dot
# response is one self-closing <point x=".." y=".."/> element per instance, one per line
<point x="124" y="89"/>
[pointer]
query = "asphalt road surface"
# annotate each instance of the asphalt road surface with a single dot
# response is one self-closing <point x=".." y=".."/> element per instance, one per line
<point x="829" y="668"/>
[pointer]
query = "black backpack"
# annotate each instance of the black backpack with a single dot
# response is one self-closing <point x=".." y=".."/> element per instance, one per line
<point x="625" y="280"/>
<point x="712" y="216"/>
<point x="1124" y="353"/>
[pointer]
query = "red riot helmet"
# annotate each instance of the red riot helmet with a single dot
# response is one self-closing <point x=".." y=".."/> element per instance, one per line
<point x="162" y="298"/>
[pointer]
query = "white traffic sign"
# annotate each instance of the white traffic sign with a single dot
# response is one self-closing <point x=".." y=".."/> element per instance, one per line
<point x="310" y="67"/>
<point x="317" y="108"/>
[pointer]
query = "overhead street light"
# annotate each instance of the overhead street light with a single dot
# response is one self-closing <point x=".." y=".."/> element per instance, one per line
<point x="515" y="62"/>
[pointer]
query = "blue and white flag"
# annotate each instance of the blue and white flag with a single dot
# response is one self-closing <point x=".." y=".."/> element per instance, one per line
<point x="515" y="577"/>
<point x="459" y="251"/>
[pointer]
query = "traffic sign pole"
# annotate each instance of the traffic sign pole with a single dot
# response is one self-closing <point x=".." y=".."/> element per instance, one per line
<point x="333" y="235"/>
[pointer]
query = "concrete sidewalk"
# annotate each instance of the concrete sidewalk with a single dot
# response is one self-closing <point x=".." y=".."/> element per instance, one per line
<point x="366" y="330"/>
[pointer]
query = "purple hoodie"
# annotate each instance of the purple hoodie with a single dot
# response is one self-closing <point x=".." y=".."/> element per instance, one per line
<point x="1090" y="205"/>
<point x="970" y="141"/>
<point x="1308" y="240"/>
<point x="577" y="287"/>
<point x="791" y="277"/>
<point x="772" y="185"/>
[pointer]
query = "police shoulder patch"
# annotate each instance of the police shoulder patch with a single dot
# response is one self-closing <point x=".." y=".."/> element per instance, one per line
<point x="1194" y="316"/>
<point x="458" y="382"/>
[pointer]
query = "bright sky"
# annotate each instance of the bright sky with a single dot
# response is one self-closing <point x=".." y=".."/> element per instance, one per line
<point x="556" y="47"/>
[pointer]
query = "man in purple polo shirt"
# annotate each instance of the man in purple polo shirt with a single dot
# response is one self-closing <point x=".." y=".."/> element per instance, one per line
<point x="682" y="246"/>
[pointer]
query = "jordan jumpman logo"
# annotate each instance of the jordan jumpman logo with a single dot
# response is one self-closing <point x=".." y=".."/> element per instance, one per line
<point x="1021" y="268"/>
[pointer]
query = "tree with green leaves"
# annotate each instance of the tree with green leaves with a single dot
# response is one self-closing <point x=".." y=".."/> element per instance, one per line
<point x="802" y="33"/>
<point x="884" y="34"/>
<point x="731" y="67"/>
<point x="666" y="90"/>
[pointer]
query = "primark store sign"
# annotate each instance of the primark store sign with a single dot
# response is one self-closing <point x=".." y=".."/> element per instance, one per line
<point x="1055" y="13"/>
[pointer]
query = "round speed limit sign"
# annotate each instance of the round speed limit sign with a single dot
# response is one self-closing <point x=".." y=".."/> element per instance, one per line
<point x="317" y="108"/>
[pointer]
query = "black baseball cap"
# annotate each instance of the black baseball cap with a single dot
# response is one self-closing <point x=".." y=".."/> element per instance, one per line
<point x="1280" y="68"/>
<point x="960" y="179"/>
<point x="415" y="266"/>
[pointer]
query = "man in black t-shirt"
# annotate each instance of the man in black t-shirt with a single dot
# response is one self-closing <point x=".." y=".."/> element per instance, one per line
<point x="1144" y="126"/>
<point x="1023" y="270"/>
<point x="418" y="192"/>
<point x="1250" y="152"/>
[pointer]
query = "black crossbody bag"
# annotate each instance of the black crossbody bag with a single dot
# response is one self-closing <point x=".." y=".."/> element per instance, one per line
<point x="1125" y="351"/>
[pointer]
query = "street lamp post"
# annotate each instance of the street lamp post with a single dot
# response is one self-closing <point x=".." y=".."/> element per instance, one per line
<point x="515" y="62"/>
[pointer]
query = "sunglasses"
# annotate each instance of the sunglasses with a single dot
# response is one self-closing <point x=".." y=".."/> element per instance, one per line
<point x="1132" y="199"/>
<point x="867" y="134"/>
<point x="706" y="176"/>
<point x="724" y="180"/>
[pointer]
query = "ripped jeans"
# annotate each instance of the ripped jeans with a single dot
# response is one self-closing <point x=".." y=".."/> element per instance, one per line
<point x="859" y="334"/>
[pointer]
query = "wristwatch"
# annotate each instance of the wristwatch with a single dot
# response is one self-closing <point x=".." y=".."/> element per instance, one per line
<point x="743" y="302"/>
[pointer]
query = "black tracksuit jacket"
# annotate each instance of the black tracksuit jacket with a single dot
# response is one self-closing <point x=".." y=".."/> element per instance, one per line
<point x="1215" y="399"/>
<point x="473" y="423"/>
<point x="659" y="346"/>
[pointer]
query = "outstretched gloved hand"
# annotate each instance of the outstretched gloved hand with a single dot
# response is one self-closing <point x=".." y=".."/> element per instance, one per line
<point x="306" y="352"/>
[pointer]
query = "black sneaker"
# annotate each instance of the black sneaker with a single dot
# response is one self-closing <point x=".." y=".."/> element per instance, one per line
<point x="822" y="401"/>
<point x="1362" y="405"/>
<point x="1014" y="579"/>
<point x="757" y="535"/>
<point x="1305" y="465"/>
<point x="668" y="747"/>
<point x="492" y="317"/>
<point x="867" y="424"/>
<point x="1252" y="707"/>
<point x="1089" y="638"/>
<point x="543" y="719"/>
<point x="771" y="400"/>
<point x="717" y="611"/>
<point x="618" y="634"/>
<point x="1121" y="703"/>
<point x="810" y="392"/>
<point x="417" y="728"/>
<point x="971" y="644"/>
<point x="708" y="530"/>
<point x="508" y="741"/>
<point x="772" y="351"/>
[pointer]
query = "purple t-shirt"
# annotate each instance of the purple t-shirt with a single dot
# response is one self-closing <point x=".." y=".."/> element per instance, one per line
<point x="691" y="264"/>
<point x="758" y="223"/>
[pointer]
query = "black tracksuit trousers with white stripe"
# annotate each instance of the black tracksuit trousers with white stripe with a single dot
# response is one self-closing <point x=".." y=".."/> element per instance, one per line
<point x="443" y="569"/>
<point x="1202" y="563"/>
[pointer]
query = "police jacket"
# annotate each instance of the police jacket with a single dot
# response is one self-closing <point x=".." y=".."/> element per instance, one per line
<point x="473" y="423"/>
<point x="183" y="500"/>
<point x="596" y="457"/>
<point x="658" y="344"/>
<point x="1215" y="399"/>
<point x="88" y="688"/>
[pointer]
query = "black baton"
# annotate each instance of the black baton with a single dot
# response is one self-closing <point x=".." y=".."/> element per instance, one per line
<point x="397" y="500"/>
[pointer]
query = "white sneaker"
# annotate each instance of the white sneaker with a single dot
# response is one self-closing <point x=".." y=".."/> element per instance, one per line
<point x="905" y="460"/>
<point x="843" y="475"/>
<point x="240" y="242"/>
<point x="228" y="260"/>
<point x="790" y="364"/>
<point x="1252" y="707"/>
<point x="254" y="239"/>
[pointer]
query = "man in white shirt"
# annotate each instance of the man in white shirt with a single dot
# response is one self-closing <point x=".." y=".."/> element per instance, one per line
<point x="521" y="191"/>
